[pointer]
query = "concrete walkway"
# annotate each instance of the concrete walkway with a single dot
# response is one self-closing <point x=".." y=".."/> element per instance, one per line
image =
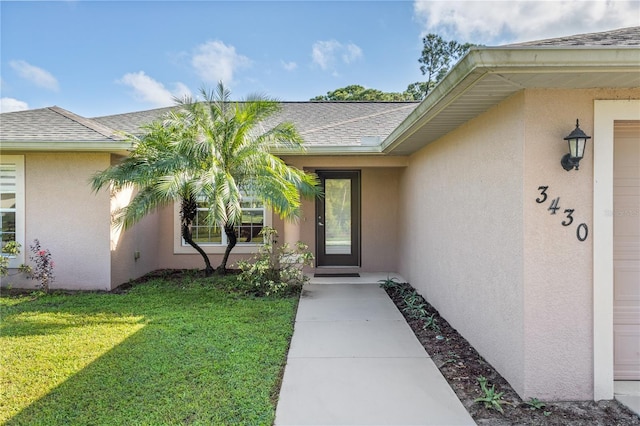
<point x="355" y="361"/>
<point x="628" y="393"/>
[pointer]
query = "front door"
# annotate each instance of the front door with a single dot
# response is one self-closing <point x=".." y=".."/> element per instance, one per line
<point x="338" y="219"/>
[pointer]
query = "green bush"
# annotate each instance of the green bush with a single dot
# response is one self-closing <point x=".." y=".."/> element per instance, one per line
<point x="275" y="270"/>
<point x="12" y="248"/>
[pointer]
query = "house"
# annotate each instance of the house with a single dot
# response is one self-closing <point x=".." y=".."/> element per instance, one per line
<point x="463" y="194"/>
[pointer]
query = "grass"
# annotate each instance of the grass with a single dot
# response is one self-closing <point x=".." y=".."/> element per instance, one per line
<point x="167" y="352"/>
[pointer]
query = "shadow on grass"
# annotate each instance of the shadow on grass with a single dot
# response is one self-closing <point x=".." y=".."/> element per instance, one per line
<point x="200" y="358"/>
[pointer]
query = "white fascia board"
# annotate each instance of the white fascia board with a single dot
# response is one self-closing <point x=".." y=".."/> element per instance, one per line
<point x="331" y="150"/>
<point x="84" y="146"/>
<point x="481" y="61"/>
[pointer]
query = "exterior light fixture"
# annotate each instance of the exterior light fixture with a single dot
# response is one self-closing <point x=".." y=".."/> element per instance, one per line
<point x="577" y="141"/>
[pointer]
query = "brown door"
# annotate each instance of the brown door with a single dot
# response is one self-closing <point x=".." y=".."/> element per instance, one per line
<point x="626" y="250"/>
<point x="338" y="219"/>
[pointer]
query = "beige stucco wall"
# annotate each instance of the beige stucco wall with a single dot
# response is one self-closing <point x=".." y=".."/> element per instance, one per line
<point x="502" y="269"/>
<point x="68" y="219"/>
<point x="558" y="268"/>
<point x="134" y="252"/>
<point x="379" y="184"/>
<point x="461" y="243"/>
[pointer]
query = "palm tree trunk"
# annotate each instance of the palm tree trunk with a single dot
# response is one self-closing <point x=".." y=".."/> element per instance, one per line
<point x="232" y="239"/>
<point x="188" y="214"/>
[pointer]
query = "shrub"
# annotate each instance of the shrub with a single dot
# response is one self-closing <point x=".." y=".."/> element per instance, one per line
<point x="275" y="269"/>
<point x="43" y="269"/>
<point x="12" y="248"/>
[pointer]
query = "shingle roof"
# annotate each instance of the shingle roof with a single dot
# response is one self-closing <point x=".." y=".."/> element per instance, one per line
<point x="53" y="124"/>
<point x="319" y="123"/>
<point x="619" y="37"/>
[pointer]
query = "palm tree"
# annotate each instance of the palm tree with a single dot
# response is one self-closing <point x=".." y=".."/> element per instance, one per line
<point x="213" y="152"/>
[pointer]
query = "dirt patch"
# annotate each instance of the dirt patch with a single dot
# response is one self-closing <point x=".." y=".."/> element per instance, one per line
<point x="461" y="366"/>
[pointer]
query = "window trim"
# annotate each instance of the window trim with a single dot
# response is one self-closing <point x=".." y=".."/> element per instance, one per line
<point x="18" y="160"/>
<point x="241" y="248"/>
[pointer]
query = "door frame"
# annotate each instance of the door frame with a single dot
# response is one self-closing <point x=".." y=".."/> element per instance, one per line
<point x="605" y="113"/>
<point x="339" y="260"/>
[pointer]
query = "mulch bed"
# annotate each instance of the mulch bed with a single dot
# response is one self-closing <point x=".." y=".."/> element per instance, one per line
<point x="461" y="366"/>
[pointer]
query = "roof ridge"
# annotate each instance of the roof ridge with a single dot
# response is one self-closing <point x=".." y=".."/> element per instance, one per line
<point x="353" y="120"/>
<point x="89" y="123"/>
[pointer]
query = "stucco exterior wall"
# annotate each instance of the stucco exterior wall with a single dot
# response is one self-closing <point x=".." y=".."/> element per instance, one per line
<point x="134" y="252"/>
<point x="380" y="225"/>
<point x="558" y="268"/>
<point x="498" y="264"/>
<point x="461" y="240"/>
<point x="379" y="184"/>
<point x="68" y="219"/>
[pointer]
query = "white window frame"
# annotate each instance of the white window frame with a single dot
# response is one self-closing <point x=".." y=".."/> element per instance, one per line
<point x="181" y="247"/>
<point x="18" y="162"/>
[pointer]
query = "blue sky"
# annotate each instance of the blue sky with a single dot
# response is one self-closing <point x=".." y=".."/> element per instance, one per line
<point x="106" y="57"/>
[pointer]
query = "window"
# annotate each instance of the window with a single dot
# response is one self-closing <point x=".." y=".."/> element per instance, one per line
<point x="12" y="203"/>
<point x="253" y="219"/>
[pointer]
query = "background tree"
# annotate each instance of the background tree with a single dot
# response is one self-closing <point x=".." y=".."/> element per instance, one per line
<point x="438" y="56"/>
<point x="356" y="92"/>
<point x="212" y="152"/>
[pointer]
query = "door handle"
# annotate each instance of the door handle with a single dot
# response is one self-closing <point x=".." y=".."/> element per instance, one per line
<point x="320" y="223"/>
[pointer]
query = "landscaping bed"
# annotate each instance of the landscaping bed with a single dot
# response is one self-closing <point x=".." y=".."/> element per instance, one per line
<point x="461" y="366"/>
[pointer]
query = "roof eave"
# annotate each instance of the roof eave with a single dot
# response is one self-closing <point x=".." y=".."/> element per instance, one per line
<point x="328" y="150"/>
<point x="67" y="146"/>
<point x="480" y="62"/>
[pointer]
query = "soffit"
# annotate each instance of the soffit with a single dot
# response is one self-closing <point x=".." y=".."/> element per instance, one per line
<point x="487" y="76"/>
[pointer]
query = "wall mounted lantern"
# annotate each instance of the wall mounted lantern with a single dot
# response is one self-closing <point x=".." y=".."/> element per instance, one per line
<point x="577" y="141"/>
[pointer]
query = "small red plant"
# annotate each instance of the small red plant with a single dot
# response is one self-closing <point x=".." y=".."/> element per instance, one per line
<point x="43" y="269"/>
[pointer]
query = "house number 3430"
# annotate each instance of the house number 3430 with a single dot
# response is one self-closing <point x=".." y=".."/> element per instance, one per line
<point x="582" y="231"/>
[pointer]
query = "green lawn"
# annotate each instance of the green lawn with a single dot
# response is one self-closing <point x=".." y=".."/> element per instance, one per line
<point x="167" y="352"/>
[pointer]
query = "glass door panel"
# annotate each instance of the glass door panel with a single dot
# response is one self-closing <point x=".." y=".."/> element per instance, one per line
<point x="337" y="199"/>
<point x="338" y="219"/>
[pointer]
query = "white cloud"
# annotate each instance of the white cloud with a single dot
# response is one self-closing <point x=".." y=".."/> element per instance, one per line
<point x="214" y="61"/>
<point x="289" y="66"/>
<point x="325" y="53"/>
<point x="151" y="91"/>
<point x="499" y="22"/>
<point x="36" y="75"/>
<point x="11" y="105"/>
<point x="352" y="53"/>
